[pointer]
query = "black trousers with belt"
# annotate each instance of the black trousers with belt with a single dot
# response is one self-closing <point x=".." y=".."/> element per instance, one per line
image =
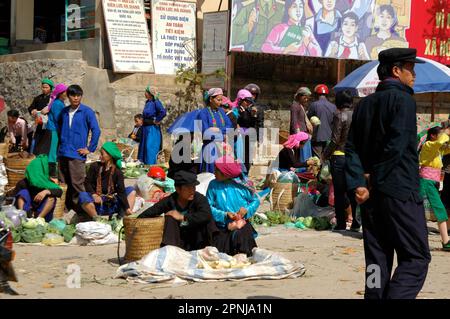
<point x="392" y="225"/>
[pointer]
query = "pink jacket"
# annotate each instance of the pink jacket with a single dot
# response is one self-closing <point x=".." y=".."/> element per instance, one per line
<point x="277" y="34"/>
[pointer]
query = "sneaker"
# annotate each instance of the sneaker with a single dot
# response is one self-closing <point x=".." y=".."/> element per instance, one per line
<point x="446" y="247"/>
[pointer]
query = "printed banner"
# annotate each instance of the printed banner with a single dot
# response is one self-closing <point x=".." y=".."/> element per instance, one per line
<point x="214" y="53"/>
<point x="430" y="29"/>
<point x="128" y="36"/>
<point x="342" y="29"/>
<point x="173" y="35"/>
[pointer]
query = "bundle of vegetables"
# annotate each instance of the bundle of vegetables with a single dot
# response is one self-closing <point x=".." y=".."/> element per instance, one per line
<point x="68" y="232"/>
<point x="51" y="239"/>
<point x="133" y="170"/>
<point x="33" y="235"/>
<point x="277" y="218"/>
<point x="317" y="223"/>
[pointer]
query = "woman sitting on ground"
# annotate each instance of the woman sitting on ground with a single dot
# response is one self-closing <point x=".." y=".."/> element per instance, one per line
<point x="233" y="203"/>
<point x="289" y="155"/>
<point x="36" y="193"/>
<point x="105" y="189"/>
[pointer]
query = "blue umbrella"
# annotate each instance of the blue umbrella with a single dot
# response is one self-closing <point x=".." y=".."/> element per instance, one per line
<point x="187" y="122"/>
<point x="431" y="76"/>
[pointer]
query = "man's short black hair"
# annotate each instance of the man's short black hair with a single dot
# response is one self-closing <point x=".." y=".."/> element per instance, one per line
<point x="138" y="116"/>
<point x="13" y="113"/>
<point x="74" y="89"/>
<point x="384" y="70"/>
<point x="344" y="99"/>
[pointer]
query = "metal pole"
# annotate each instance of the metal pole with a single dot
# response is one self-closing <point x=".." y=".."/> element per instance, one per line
<point x="65" y="22"/>
<point x="220" y="5"/>
<point x="432" y="106"/>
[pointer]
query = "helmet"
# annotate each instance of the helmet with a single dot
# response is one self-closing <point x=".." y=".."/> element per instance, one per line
<point x="321" y="89"/>
<point x="253" y="88"/>
<point x="156" y="172"/>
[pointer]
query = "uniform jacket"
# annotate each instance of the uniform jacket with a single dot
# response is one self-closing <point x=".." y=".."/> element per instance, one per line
<point x="382" y="142"/>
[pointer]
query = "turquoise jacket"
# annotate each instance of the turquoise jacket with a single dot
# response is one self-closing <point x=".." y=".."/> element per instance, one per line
<point x="229" y="196"/>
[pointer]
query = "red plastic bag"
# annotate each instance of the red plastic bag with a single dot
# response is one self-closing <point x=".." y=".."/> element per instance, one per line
<point x="331" y="195"/>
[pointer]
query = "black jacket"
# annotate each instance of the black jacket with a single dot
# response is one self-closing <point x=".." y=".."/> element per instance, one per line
<point x="339" y="131"/>
<point x="247" y="120"/>
<point x="118" y="183"/>
<point x="198" y="210"/>
<point x="289" y="158"/>
<point x="138" y="135"/>
<point x="382" y="142"/>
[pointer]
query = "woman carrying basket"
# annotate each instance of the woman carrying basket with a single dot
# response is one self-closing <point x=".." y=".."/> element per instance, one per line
<point x="36" y="193"/>
<point x="106" y="193"/>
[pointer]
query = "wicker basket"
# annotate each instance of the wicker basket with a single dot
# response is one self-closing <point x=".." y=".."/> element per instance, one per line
<point x="60" y="204"/>
<point x="15" y="168"/>
<point x="4" y="149"/>
<point x="283" y="136"/>
<point x="283" y="196"/>
<point x="142" y="235"/>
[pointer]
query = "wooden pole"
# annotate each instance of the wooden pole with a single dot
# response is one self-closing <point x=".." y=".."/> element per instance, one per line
<point x="340" y="70"/>
<point x="230" y="72"/>
<point x="432" y="106"/>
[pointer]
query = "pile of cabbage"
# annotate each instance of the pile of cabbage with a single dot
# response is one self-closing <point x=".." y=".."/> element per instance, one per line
<point x="134" y="170"/>
<point x="37" y="230"/>
<point x="271" y="218"/>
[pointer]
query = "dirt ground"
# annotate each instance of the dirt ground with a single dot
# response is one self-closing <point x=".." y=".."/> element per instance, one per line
<point x="334" y="269"/>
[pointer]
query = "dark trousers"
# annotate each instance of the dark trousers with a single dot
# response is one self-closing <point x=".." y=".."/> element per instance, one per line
<point x="342" y="198"/>
<point x="72" y="172"/>
<point x="318" y="148"/>
<point x="392" y="225"/>
<point x="187" y="238"/>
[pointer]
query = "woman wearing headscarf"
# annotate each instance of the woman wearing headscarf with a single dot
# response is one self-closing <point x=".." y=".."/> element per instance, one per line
<point x="36" y="193"/>
<point x="215" y="123"/>
<point x="300" y="121"/>
<point x="233" y="202"/>
<point x="151" y="141"/>
<point x="54" y="113"/>
<point x="42" y="137"/>
<point x="106" y="193"/>
<point x="288" y="158"/>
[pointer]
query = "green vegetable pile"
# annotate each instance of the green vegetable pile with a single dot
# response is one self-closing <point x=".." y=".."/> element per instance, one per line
<point x="278" y="218"/>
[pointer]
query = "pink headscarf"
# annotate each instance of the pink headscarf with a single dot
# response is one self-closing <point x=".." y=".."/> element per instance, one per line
<point x="229" y="166"/>
<point x="295" y="139"/>
<point x="59" y="88"/>
<point x="242" y="95"/>
<point x="227" y="101"/>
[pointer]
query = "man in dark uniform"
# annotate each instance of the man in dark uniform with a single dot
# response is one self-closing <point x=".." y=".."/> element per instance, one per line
<point x="382" y="163"/>
<point x="188" y="220"/>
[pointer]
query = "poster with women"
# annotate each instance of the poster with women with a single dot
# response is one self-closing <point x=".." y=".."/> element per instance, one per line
<point x="341" y="29"/>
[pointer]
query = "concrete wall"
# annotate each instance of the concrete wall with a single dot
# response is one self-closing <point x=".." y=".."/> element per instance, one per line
<point x="91" y="49"/>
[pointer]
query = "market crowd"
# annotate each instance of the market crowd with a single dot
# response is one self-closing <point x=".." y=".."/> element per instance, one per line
<point x="371" y="150"/>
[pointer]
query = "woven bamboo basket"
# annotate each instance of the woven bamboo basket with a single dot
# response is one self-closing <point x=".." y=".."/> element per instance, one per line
<point x="4" y="149"/>
<point x="142" y="235"/>
<point x="15" y="168"/>
<point x="60" y="204"/>
<point x="283" y="196"/>
<point x="283" y="136"/>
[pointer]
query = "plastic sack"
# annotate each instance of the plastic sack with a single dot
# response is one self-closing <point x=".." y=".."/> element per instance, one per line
<point x="204" y="179"/>
<point x="325" y="173"/>
<point x="52" y="239"/>
<point x="143" y="185"/>
<point x="288" y="177"/>
<point x="168" y="185"/>
<point x="304" y="206"/>
<point x="93" y="230"/>
<point x="59" y="224"/>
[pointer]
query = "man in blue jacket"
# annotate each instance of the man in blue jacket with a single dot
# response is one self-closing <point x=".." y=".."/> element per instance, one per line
<point x="75" y="124"/>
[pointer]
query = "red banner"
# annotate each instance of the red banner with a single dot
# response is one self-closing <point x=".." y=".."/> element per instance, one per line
<point x="430" y="29"/>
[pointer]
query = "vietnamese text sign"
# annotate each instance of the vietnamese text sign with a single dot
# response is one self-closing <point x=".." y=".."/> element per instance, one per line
<point x="128" y="35"/>
<point x="214" y="53"/>
<point x="342" y="29"/>
<point x="430" y="30"/>
<point x="173" y="35"/>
